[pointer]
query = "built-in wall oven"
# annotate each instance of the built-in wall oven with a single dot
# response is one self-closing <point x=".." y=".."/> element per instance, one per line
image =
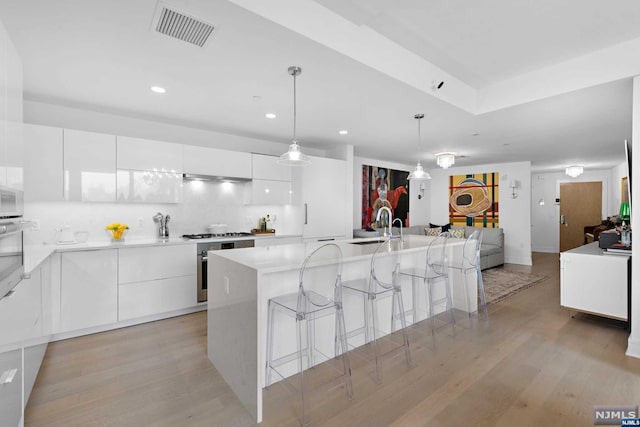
<point x="11" y="254"/>
<point x="203" y="248"/>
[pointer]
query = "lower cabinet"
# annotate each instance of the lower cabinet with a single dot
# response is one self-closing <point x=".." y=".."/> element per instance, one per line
<point x="156" y="296"/>
<point x="89" y="289"/>
<point x="155" y="280"/>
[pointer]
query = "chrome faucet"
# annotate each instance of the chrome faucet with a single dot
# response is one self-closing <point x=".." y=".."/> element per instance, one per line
<point x="400" y="221"/>
<point x="385" y="208"/>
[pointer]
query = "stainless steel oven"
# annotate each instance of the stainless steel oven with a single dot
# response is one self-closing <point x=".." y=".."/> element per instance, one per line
<point x="11" y="254"/>
<point x="203" y="248"/>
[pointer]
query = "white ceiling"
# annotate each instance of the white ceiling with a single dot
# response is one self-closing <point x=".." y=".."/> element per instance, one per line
<point x="104" y="55"/>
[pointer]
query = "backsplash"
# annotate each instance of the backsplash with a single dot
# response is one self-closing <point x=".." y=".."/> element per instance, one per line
<point x="203" y="203"/>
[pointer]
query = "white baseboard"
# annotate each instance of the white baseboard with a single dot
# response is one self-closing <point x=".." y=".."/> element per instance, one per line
<point x="521" y="261"/>
<point x="633" y="348"/>
<point x="546" y="249"/>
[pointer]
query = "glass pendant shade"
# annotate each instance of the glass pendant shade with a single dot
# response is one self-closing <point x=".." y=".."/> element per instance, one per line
<point x="419" y="173"/>
<point x="294" y="157"/>
<point x="625" y="211"/>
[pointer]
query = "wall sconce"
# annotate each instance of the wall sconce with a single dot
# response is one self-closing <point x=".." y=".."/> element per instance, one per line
<point x="445" y="160"/>
<point x="421" y="191"/>
<point x="513" y="184"/>
<point x="574" y="171"/>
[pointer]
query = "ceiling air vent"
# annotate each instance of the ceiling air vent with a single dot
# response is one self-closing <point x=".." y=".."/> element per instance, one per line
<point x="183" y="27"/>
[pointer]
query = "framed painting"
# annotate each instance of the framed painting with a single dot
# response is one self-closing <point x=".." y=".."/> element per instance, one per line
<point x="384" y="187"/>
<point x="473" y="200"/>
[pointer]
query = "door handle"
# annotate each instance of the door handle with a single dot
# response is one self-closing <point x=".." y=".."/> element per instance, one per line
<point x="305" y="214"/>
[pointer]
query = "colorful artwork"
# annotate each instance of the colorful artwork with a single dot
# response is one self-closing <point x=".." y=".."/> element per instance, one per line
<point x="473" y="200"/>
<point x="384" y="187"/>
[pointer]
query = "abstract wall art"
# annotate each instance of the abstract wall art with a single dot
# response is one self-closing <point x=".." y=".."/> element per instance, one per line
<point x="473" y="200"/>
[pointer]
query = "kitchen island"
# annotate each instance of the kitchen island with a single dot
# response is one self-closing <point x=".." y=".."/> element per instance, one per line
<point x="241" y="282"/>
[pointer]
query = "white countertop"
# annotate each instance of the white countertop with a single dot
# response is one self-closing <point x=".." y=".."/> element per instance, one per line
<point x="35" y="254"/>
<point x="290" y="257"/>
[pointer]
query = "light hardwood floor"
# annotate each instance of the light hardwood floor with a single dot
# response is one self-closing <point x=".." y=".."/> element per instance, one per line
<point x="530" y="364"/>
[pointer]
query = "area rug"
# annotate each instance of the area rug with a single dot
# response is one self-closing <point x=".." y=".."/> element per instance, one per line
<point x="500" y="284"/>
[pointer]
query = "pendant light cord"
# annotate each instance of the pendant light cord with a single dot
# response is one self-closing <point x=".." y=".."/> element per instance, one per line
<point x="419" y="118"/>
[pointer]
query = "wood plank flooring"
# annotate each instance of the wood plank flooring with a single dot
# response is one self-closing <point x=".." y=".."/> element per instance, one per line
<point x="530" y="364"/>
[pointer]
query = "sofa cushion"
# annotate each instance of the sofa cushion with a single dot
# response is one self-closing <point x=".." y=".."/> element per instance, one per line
<point x="490" y="236"/>
<point x="432" y="231"/>
<point x="457" y="232"/>
<point x="490" y="249"/>
<point x="444" y="227"/>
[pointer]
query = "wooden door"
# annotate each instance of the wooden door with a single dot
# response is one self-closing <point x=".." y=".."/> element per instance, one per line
<point x="580" y="206"/>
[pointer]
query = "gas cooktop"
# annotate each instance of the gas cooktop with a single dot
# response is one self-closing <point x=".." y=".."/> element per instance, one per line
<point x="213" y="236"/>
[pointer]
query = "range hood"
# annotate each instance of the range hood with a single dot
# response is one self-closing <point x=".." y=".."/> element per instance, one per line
<point x="213" y="178"/>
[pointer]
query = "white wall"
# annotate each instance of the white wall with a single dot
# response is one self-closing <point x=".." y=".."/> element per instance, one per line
<point x="358" y="162"/>
<point x="515" y="214"/>
<point x="204" y="203"/>
<point x="545" y="229"/>
<point x="633" y="348"/>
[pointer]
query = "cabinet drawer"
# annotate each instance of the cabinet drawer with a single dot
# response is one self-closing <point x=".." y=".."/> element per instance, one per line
<point x="156" y="296"/>
<point x="153" y="263"/>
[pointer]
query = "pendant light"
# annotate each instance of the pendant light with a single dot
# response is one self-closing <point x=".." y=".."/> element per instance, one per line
<point x="294" y="156"/>
<point x="419" y="174"/>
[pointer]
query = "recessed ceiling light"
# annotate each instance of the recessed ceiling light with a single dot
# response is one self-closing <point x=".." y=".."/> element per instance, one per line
<point x="270" y="116"/>
<point x="158" y="89"/>
<point x="344" y="132"/>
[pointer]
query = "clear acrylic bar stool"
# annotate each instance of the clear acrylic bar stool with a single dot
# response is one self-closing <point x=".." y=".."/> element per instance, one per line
<point x="319" y="295"/>
<point x="382" y="280"/>
<point x="432" y="274"/>
<point x="468" y="263"/>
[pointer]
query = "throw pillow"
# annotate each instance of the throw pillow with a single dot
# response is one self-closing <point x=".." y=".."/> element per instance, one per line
<point x="445" y="227"/>
<point x="458" y="233"/>
<point x="432" y="231"/>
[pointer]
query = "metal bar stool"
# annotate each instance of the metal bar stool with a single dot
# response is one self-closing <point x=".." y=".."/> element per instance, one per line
<point x="319" y="295"/>
<point x="382" y="280"/>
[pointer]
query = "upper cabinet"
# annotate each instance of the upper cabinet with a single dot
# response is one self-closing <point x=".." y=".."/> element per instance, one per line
<point x="11" y="156"/>
<point x="214" y="162"/>
<point x="148" y="155"/>
<point x="89" y="161"/>
<point x="42" y="163"/>
<point x="267" y="168"/>
<point x="149" y="171"/>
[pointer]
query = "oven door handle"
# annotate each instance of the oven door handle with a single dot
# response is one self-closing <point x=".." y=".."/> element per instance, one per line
<point x="14" y="227"/>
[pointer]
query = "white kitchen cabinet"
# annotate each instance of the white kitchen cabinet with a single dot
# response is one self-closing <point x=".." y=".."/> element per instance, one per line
<point x="268" y="192"/>
<point x="324" y="198"/>
<point x="156" y="262"/>
<point x="156" y="296"/>
<point x="14" y="147"/>
<point x="154" y="280"/>
<point x="214" y="162"/>
<point x="89" y="161"/>
<point x="11" y="390"/>
<point x="266" y="168"/>
<point x="43" y="162"/>
<point x="593" y="282"/>
<point x="88" y="289"/>
<point x="149" y="171"/>
<point x="148" y="155"/>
